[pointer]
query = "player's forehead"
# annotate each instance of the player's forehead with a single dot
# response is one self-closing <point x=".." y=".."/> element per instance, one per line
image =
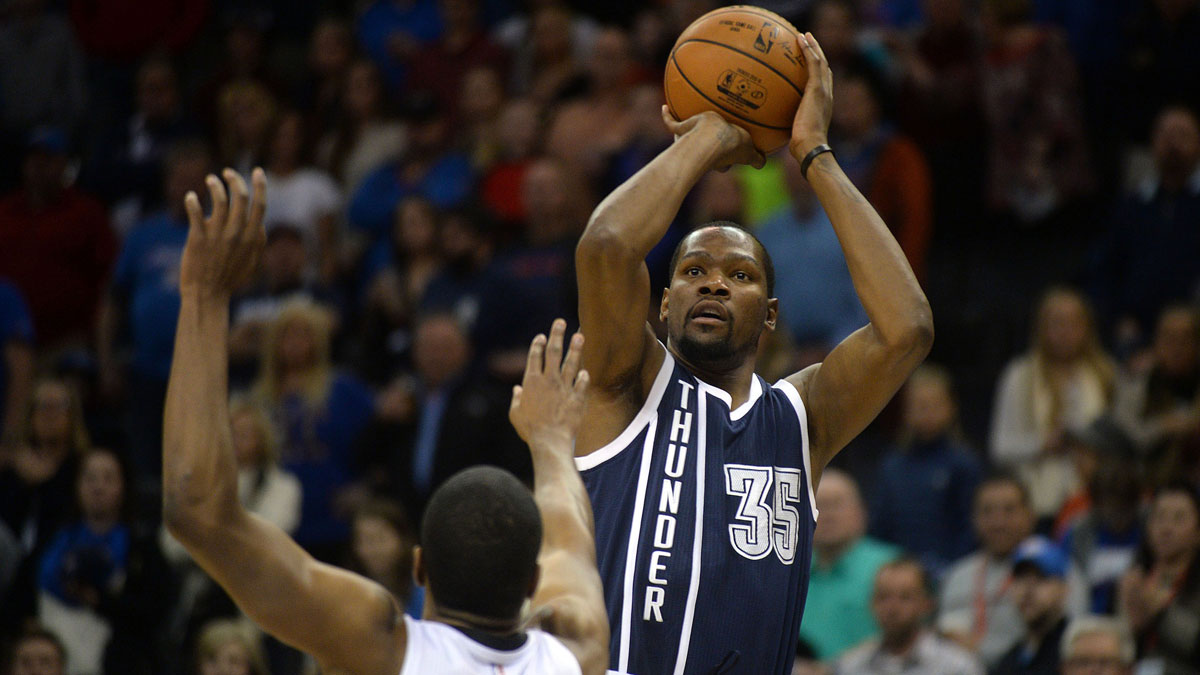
<point x="720" y="243"/>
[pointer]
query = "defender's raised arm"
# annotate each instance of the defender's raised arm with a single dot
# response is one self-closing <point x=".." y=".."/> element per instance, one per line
<point x="858" y="378"/>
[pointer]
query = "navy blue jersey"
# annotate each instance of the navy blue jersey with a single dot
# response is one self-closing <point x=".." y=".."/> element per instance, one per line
<point x="704" y="523"/>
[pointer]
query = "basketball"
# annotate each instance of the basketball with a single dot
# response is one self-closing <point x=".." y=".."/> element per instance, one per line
<point x="744" y="63"/>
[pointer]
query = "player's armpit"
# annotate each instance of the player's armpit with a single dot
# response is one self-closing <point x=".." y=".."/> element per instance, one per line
<point x="345" y="621"/>
<point x="569" y="604"/>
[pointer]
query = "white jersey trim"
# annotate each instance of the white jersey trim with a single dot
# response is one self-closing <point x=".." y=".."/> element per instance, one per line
<point x="635" y="531"/>
<point x="689" y="610"/>
<point x="756" y="391"/>
<point x="793" y="395"/>
<point x="648" y="412"/>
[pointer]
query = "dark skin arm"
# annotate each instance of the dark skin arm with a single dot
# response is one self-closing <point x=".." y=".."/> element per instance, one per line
<point x="847" y="391"/>
<point x="621" y="352"/>
<point x="347" y="622"/>
<point x="547" y="408"/>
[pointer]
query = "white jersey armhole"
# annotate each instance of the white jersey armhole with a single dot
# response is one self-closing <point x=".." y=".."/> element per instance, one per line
<point x="793" y="395"/>
<point x="648" y="412"/>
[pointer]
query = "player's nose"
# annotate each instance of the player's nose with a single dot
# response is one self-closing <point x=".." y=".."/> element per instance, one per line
<point x="714" y="284"/>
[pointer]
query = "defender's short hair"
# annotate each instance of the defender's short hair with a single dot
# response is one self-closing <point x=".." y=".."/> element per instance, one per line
<point x="480" y="538"/>
<point x="763" y="255"/>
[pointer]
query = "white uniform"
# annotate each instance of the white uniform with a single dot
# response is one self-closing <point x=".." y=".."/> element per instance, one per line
<point x="437" y="649"/>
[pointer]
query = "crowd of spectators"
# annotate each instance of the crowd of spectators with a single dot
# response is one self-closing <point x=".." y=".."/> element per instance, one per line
<point x="431" y="164"/>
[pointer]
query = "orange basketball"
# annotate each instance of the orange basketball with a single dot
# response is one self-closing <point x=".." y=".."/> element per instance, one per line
<point x="744" y="63"/>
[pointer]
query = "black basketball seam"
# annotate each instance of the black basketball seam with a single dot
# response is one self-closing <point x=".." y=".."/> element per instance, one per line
<point x="750" y="9"/>
<point x="716" y="103"/>
<point x="749" y="56"/>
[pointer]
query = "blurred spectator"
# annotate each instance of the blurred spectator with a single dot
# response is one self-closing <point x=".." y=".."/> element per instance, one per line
<point x="549" y="47"/>
<point x="446" y="420"/>
<point x="302" y="195"/>
<point x="1064" y="382"/>
<point x="123" y="31"/>
<point x="1104" y="539"/>
<point x="1160" y="61"/>
<point x="428" y="169"/>
<point x="393" y="31"/>
<point x="940" y="106"/>
<point x="440" y="66"/>
<point x="382" y="550"/>
<point x="37" y="651"/>
<point x="817" y="302"/>
<point x="901" y="602"/>
<point x="55" y="244"/>
<point x="1161" y="406"/>
<point x="480" y="102"/>
<point x="1160" y="594"/>
<point x="246" y="114"/>
<point x="921" y="497"/>
<point x="41" y="69"/>
<point x="319" y="412"/>
<point x="230" y="647"/>
<point x="1097" y="644"/>
<point x="143" y="304"/>
<point x="365" y="135"/>
<point x="126" y="167"/>
<point x="330" y="54"/>
<point x="835" y="24"/>
<point x="244" y="63"/>
<point x="1038" y="162"/>
<point x="518" y="135"/>
<point x="103" y="585"/>
<point x="458" y="286"/>
<point x="1039" y="591"/>
<point x="531" y="283"/>
<point x="888" y="168"/>
<point x="837" y="612"/>
<point x="975" y="607"/>
<point x="16" y="362"/>
<point x="1145" y="262"/>
<point x="10" y="557"/>
<point x="1100" y="441"/>
<point x="283" y="279"/>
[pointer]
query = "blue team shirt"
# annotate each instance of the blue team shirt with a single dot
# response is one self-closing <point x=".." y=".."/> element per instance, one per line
<point x="16" y="325"/>
<point x="704" y="522"/>
<point x="147" y="275"/>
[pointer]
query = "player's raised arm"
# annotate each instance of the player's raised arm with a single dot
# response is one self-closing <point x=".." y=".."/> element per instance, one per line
<point x="345" y="621"/>
<point x="845" y="392"/>
<point x="614" y="284"/>
<point x="546" y="410"/>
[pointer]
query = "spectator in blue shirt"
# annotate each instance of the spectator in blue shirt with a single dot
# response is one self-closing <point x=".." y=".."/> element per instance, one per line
<point x="144" y="306"/>
<point x="16" y="359"/>
<point x="923" y="493"/>
<point x="391" y="32"/>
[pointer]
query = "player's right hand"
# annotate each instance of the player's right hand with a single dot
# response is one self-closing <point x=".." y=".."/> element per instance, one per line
<point x="547" y="406"/>
<point x="223" y="249"/>
<point x="735" y="143"/>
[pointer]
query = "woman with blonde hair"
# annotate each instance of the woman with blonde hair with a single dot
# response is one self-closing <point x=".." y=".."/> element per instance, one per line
<point x="230" y="647"/>
<point x="318" y="412"/>
<point x="1064" y="382"/>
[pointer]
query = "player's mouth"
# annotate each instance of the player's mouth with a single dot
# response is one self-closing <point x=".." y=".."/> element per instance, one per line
<point x="709" y="313"/>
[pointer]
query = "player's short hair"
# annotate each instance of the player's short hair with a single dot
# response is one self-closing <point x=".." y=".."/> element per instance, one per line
<point x="480" y="538"/>
<point x="763" y="256"/>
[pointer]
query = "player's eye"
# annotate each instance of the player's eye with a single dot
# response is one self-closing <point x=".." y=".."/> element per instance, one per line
<point x="741" y="276"/>
<point x="693" y="271"/>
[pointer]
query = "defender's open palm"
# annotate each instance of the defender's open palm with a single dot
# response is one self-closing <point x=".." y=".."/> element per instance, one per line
<point x="548" y="404"/>
<point x="222" y="249"/>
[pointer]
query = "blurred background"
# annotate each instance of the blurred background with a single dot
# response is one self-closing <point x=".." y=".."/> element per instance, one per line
<point x="431" y="164"/>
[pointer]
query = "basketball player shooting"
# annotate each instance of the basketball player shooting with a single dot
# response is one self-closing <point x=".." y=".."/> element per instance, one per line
<point x="702" y="475"/>
<point x="485" y="548"/>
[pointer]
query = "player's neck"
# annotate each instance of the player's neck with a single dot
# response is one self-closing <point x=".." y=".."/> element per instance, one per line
<point x="474" y="621"/>
<point x="735" y="380"/>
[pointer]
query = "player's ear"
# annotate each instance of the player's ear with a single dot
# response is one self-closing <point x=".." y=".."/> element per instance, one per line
<point x="662" y="306"/>
<point x="419" y="575"/>
<point x="772" y="313"/>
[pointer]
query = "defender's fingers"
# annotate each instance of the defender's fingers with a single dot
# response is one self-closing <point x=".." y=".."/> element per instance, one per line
<point x="570" y="366"/>
<point x="581" y="382"/>
<point x="239" y="200"/>
<point x="220" y="201"/>
<point x="516" y="399"/>
<point x="195" y="214"/>
<point x="536" y="352"/>
<point x="258" y="203"/>
<point x="554" y="346"/>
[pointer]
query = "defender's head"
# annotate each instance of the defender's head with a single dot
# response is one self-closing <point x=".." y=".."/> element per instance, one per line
<point x="720" y="297"/>
<point x="480" y="538"/>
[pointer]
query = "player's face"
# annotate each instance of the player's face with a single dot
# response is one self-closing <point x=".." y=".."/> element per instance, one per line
<point x="717" y="306"/>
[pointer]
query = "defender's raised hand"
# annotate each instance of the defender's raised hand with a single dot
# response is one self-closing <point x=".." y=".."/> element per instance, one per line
<point x="548" y="404"/>
<point x="811" y="125"/>
<point x="223" y="248"/>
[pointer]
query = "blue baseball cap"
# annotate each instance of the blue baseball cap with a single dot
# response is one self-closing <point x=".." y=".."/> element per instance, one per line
<point x="1042" y="555"/>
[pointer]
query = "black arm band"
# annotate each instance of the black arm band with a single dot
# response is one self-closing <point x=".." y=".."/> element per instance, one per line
<point x="812" y="154"/>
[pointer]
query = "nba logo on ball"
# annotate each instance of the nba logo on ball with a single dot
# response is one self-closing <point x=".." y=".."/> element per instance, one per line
<point x="743" y="63"/>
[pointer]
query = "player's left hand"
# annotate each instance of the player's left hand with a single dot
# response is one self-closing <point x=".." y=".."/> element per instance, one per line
<point x="547" y="406"/>
<point x="222" y="250"/>
<point x="810" y="128"/>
